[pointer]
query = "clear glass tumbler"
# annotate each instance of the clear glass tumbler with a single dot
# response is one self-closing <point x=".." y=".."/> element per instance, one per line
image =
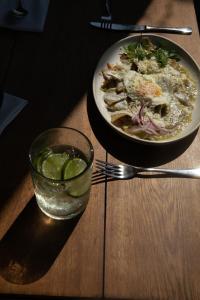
<point x="61" y="162"/>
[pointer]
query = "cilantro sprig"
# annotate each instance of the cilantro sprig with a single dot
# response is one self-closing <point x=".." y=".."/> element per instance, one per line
<point x="145" y="50"/>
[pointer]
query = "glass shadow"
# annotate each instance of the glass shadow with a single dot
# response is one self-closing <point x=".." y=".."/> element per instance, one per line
<point x="32" y="243"/>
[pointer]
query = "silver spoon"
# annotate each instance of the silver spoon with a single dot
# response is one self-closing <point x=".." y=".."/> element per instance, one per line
<point x="19" y="11"/>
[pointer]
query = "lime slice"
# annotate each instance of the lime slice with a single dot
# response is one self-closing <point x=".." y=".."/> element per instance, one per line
<point x="53" y="165"/>
<point x="74" y="167"/>
<point x="81" y="185"/>
<point x="39" y="159"/>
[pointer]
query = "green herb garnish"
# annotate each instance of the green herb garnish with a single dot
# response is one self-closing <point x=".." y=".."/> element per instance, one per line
<point x="161" y="56"/>
<point x="145" y="50"/>
<point x="136" y="50"/>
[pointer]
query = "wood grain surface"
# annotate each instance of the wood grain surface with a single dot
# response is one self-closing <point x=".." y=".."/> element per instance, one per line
<point x="40" y="256"/>
<point x="152" y="224"/>
<point x="137" y="239"/>
<point x="52" y="70"/>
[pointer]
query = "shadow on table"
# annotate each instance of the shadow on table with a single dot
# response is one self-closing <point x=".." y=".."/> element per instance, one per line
<point x="52" y="70"/>
<point x="31" y="245"/>
<point x="132" y="152"/>
<point x="129" y="11"/>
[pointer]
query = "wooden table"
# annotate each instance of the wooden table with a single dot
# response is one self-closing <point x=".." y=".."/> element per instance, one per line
<point x="137" y="239"/>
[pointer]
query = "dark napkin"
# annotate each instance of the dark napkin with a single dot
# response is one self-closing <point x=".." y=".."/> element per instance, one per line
<point x="10" y="107"/>
<point x="33" y="21"/>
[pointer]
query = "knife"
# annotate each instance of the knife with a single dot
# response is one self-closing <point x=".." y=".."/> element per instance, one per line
<point x="141" y="28"/>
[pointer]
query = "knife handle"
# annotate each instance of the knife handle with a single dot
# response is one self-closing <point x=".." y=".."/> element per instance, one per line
<point x="179" y="30"/>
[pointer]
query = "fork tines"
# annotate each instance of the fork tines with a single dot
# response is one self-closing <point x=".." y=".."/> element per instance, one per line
<point x="108" y="169"/>
<point x="104" y="164"/>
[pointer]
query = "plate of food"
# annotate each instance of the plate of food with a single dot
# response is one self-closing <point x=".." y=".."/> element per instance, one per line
<point x="147" y="88"/>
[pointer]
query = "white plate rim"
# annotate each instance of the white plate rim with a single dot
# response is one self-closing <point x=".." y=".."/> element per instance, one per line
<point x="191" y="64"/>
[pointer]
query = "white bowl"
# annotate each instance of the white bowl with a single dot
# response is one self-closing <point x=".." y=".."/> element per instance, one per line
<point x="112" y="56"/>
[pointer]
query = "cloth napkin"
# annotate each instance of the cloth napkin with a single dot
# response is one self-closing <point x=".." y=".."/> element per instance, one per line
<point x="33" y="21"/>
<point x="10" y="107"/>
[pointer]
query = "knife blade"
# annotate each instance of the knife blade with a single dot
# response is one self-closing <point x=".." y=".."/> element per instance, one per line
<point x="141" y="28"/>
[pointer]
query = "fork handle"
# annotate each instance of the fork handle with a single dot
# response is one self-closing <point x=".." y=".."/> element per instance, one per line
<point x="107" y="4"/>
<point x="190" y="173"/>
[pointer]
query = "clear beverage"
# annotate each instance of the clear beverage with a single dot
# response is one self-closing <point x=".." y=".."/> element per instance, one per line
<point x="62" y="179"/>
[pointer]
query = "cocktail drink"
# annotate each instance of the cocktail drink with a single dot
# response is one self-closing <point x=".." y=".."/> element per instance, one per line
<point x="61" y="167"/>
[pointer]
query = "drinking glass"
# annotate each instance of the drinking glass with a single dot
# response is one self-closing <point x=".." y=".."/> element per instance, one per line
<point x="61" y="162"/>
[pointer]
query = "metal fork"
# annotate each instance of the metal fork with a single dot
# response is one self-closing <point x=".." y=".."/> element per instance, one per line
<point x="106" y="20"/>
<point x="128" y="171"/>
<point x="19" y="11"/>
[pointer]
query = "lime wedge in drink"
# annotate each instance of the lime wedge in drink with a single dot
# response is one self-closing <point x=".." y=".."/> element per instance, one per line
<point x="40" y="157"/>
<point x="80" y="185"/>
<point x="74" y="167"/>
<point x="52" y="166"/>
